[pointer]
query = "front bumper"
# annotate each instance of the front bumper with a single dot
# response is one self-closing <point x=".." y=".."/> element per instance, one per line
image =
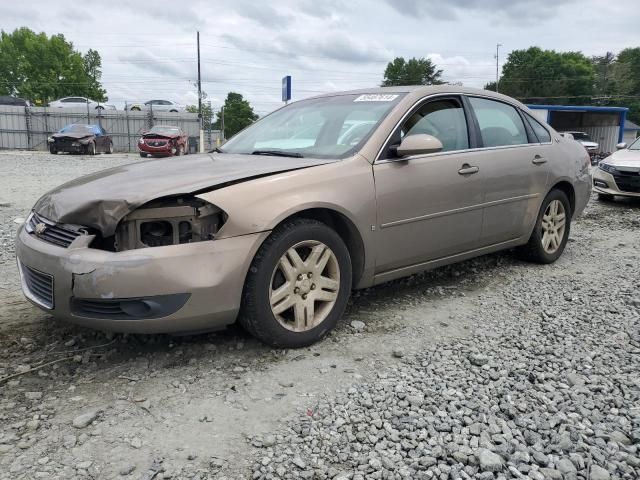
<point x="604" y="182"/>
<point x="69" y="147"/>
<point x="202" y="282"/>
<point x="167" y="149"/>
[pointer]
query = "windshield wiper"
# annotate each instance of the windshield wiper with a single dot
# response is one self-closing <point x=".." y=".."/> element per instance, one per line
<point x="277" y="153"/>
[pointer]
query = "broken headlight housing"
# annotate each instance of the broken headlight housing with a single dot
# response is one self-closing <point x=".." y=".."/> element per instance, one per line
<point x="169" y="221"/>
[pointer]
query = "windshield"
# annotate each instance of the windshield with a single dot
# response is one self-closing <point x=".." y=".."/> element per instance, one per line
<point x="635" y="145"/>
<point x="78" y="128"/>
<point x="163" y="130"/>
<point x="326" y="127"/>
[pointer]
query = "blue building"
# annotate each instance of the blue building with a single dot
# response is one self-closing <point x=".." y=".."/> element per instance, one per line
<point x="605" y="125"/>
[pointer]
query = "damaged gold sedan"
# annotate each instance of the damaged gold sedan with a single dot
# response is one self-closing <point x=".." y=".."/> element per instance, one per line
<point x="327" y="194"/>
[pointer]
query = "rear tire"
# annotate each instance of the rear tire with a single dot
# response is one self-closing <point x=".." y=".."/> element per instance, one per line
<point x="291" y="300"/>
<point x="110" y="148"/>
<point x="551" y="231"/>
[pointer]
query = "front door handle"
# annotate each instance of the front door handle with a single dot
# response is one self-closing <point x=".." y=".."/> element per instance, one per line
<point x="538" y="160"/>
<point x="468" y="169"/>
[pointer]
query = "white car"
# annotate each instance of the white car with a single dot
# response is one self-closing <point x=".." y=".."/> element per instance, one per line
<point x="80" y="102"/>
<point x="619" y="173"/>
<point x="585" y="140"/>
<point x="157" y="105"/>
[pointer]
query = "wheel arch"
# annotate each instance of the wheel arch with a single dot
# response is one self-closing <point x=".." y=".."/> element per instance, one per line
<point x="567" y="188"/>
<point x="345" y="228"/>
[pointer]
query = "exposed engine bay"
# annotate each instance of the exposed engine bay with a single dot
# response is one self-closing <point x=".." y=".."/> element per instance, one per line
<point x="168" y="221"/>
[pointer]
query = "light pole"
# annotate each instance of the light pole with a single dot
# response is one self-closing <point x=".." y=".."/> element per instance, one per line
<point x="201" y="142"/>
<point x="498" y="45"/>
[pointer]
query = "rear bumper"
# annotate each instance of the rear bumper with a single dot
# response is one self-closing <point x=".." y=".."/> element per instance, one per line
<point x="582" y="189"/>
<point x="177" y="288"/>
<point x="605" y="183"/>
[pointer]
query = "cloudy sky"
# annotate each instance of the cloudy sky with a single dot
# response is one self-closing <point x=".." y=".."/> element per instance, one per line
<point x="149" y="48"/>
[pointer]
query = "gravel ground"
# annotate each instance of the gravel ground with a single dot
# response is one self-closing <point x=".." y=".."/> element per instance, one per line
<point x="489" y="369"/>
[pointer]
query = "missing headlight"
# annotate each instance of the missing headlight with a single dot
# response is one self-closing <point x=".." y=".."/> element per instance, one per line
<point x="169" y="221"/>
<point x="156" y="234"/>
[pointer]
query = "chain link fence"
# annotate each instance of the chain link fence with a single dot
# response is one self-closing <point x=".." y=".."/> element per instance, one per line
<point x="27" y="128"/>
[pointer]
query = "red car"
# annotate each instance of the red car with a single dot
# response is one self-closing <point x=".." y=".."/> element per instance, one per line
<point x="163" y="140"/>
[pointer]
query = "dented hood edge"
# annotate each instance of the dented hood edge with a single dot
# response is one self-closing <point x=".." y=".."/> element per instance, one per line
<point x="101" y="200"/>
<point x="77" y="136"/>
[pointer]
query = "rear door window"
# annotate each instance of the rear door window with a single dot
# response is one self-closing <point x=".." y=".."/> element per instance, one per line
<point x="500" y="124"/>
<point x="541" y="132"/>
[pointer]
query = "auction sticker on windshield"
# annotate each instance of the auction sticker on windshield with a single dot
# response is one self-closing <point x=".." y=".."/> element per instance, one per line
<point x="375" y="97"/>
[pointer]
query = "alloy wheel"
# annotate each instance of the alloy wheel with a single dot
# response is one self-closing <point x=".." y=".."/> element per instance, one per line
<point x="304" y="286"/>
<point x="553" y="226"/>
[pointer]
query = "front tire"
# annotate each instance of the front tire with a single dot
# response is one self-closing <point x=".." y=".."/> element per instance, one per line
<point x="53" y="150"/>
<point x="297" y="286"/>
<point x="91" y="149"/>
<point x="551" y="231"/>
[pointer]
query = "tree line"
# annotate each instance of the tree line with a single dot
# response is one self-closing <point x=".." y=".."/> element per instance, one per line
<point x="538" y="76"/>
<point x="40" y="69"/>
<point x="43" y="68"/>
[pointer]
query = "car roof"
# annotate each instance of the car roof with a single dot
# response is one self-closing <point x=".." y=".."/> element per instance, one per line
<point x="11" y="100"/>
<point x="424" y="90"/>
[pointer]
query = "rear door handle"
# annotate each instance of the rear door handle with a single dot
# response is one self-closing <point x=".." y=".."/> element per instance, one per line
<point x="468" y="169"/>
<point x="538" y="160"/>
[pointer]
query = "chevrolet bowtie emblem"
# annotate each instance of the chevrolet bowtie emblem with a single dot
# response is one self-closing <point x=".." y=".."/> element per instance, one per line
<point x="40" y="228"/>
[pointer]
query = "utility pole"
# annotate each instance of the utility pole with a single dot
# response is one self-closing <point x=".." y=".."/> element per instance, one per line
<point x="222" y="122"/>
<point x="498" y="45"/>
<point x="201" y="143"/>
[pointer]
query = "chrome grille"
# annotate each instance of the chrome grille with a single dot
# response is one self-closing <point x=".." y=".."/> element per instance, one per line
<point x="38" y="286"/>
<point x="156" y="143"/>
<point x="45" y="229"/>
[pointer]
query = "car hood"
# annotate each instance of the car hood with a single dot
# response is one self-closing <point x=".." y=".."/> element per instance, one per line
<point x="76" y="135"/>
<point x="624" y="158"/>
<point x="102" y="199"/>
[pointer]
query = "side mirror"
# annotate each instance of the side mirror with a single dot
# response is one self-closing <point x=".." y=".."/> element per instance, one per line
<point x="419" y="144"/>
<point x="621" y="146"/>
